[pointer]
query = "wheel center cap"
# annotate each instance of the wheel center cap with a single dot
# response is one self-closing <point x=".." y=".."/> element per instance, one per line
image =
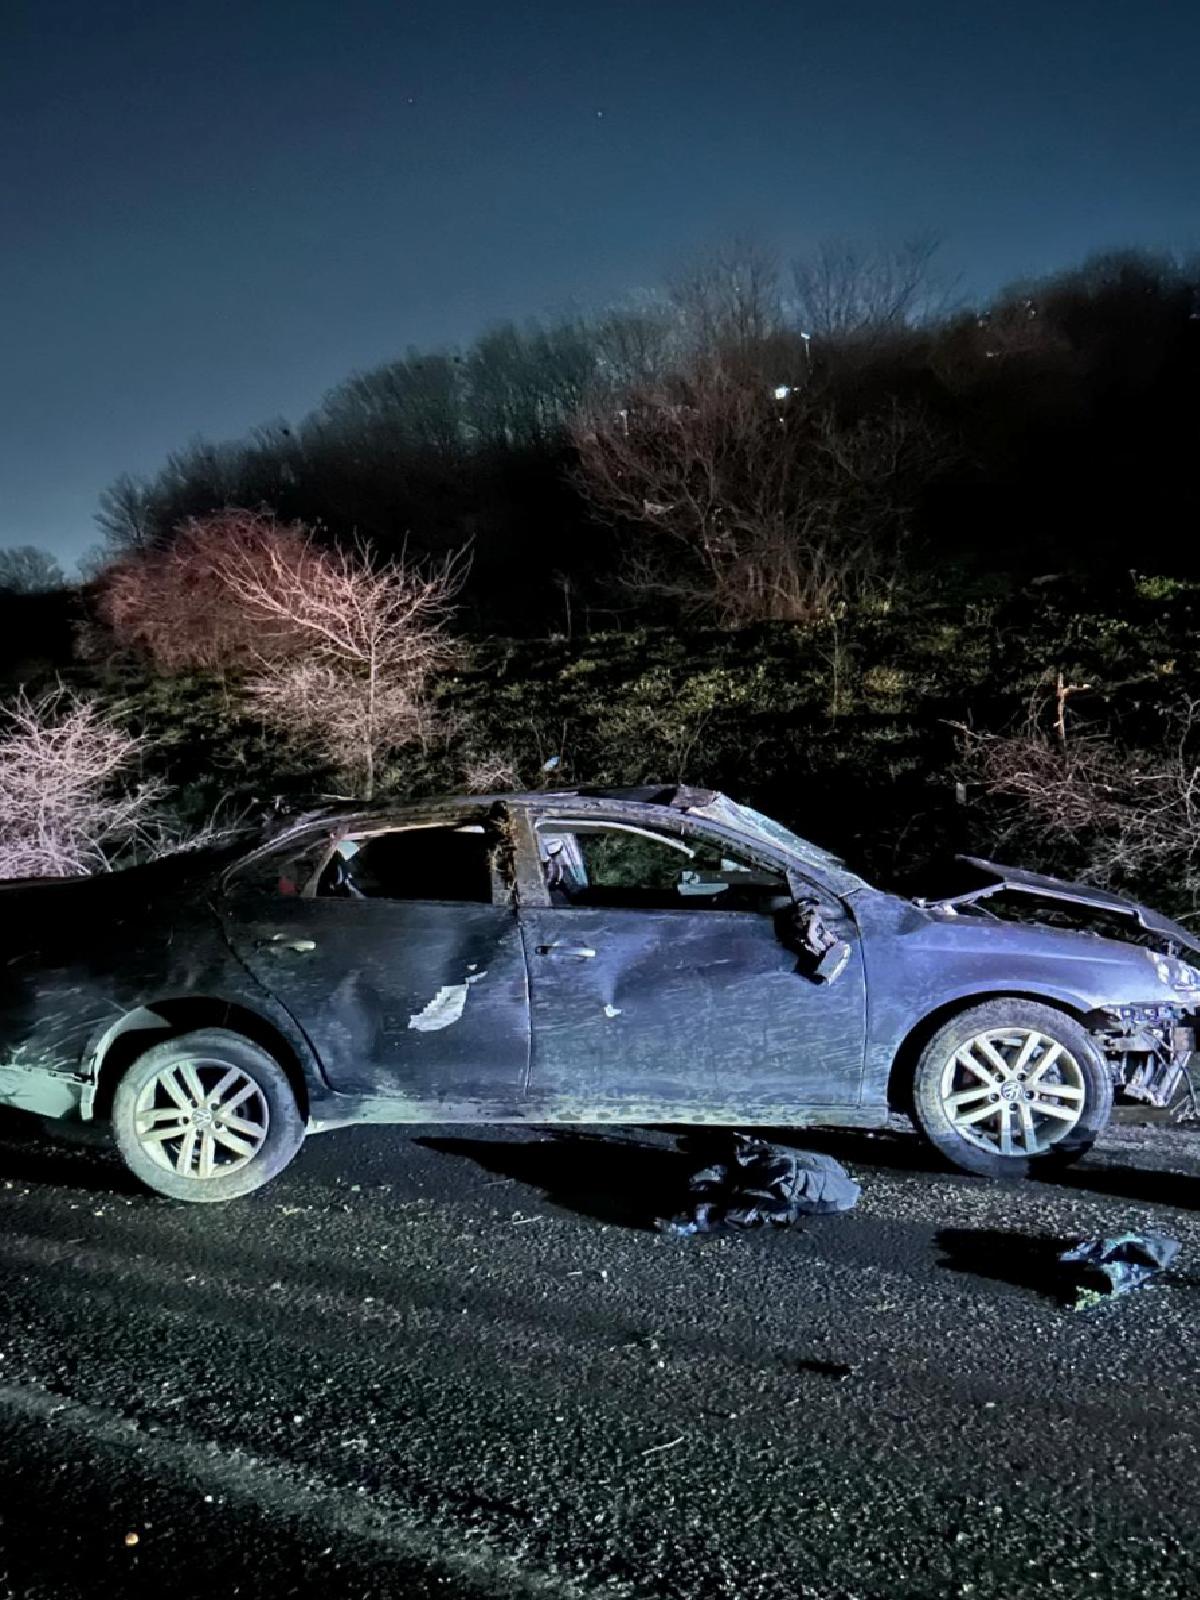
<point x="202" y="1118"/>
<point x="1010" y="1091"/>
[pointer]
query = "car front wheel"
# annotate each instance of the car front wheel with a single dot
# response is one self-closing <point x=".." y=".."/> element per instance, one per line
<point x="1011" y="1088"/>
<point x="208" y="1116"/>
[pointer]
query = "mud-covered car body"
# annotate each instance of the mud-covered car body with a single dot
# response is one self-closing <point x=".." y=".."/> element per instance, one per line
<point x="502" y="959"/>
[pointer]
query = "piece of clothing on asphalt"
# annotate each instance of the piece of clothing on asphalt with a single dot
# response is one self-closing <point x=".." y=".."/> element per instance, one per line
<point x="756" y="1183"/>
<point x="1101" y="1267"/>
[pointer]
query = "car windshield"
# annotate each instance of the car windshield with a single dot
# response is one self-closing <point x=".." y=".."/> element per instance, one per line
<point x="752" y="822"/>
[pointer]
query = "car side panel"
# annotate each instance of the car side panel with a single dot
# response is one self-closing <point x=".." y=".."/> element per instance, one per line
<point x="79" y="956"/>
<point x="424" y="1001"/>
<point x="699" y="1016"/>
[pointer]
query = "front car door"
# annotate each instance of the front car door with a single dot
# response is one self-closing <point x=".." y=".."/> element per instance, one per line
<point x="664" y="981"/>
<point x="397" y="950"/>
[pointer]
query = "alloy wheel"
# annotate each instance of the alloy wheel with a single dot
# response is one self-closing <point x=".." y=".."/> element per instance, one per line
<point x="201" y="1119"/>
<point x="1013" y="1091"/>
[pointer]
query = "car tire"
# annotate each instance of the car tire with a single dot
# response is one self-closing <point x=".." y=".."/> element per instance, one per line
<point x="1012" y="1089"/>
<point x="206" y="1117"/>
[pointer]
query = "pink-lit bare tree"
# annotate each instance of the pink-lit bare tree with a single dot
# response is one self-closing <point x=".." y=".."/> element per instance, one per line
<point x="67" y="802"/>
<point x="334" y="648"/>
<point x="347" y="646"/>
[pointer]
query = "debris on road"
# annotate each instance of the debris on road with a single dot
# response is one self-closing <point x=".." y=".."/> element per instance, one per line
<point x="758" y="1183"/>
<point x="671" y="1444"/>
<point x="1100" y="1268"/>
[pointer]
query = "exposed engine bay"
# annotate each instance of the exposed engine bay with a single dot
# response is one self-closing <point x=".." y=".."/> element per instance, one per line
<point x="1151" y="1056"/>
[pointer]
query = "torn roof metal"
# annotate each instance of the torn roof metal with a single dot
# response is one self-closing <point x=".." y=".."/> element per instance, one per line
<point x="720" y="808"/>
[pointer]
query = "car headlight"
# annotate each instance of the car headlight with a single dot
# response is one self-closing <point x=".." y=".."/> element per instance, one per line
<point x="1174" y="973"/>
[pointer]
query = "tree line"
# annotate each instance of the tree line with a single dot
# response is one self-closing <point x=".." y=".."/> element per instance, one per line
<point x="751" y="442"/>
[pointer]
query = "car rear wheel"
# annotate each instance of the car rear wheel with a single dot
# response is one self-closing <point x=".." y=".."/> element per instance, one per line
<point x="206" y="1117"/>
<point x="1011" y="1088"/>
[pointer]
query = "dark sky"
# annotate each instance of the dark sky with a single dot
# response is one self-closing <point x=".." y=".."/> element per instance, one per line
<point x="214" y="211"/>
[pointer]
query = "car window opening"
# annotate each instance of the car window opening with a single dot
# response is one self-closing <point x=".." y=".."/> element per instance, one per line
<point x="594" y="864"/>
<point x="411" y="864"/>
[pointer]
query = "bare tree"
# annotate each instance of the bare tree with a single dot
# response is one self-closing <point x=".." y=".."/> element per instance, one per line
<point x="347" y="645"/>
<point x="416" y="401"/>
<point x="68" y="801"/>
<point x="753" y="504"/>
<point x="728" y="301"/>
<point x="334" y="648"/>
<point x="844" y="290"/>
<point x="636" y="344"/>
<point x="25" y="569"/>
<point x="126" y="516"/>
<point x="492" y="773"/>
<point x="523" y="383"/>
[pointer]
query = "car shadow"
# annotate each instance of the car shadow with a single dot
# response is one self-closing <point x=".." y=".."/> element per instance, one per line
<point x="1148" y="1185"/>
<point x="907" y="1152"/>
<point x="1023" y="1260"/>
<point x="896" y="1152"/>
<point x="29" y="1153"/>
<point x="615" y="1180"/>
<point x="631" y="1182"/>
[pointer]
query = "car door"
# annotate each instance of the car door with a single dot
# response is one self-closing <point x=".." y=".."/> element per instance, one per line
<point x="664" y="983"/>
<point x="399" y="954"/>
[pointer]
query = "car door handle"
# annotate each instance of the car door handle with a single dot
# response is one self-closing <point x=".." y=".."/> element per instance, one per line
<point x="278" y="945"/>
<point x="580" y="950"/>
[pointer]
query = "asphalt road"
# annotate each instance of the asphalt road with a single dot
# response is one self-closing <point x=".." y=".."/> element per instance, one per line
<point x="456" y="1365"/>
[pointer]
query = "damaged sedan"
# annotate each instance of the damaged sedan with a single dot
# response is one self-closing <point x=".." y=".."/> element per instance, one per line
<point x="653" y="955"/>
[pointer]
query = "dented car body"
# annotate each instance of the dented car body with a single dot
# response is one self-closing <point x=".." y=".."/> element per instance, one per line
<point x="648" y="955"/>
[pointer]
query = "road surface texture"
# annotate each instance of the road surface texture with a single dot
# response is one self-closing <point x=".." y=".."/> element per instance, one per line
<point x="459" y="1364"/>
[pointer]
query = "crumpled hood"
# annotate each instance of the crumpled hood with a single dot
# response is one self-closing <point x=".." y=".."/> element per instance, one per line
<point x="997" y="879"/>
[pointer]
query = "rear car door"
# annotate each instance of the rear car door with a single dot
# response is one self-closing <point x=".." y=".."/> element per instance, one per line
<point x="664" y="986"/>
<point x="397" y="951"/>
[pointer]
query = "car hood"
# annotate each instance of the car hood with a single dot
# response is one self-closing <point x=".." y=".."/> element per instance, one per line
<point x="995" y="879"/>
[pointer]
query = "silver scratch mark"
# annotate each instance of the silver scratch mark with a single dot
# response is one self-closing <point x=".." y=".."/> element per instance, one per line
<point x="446" y="1007"/>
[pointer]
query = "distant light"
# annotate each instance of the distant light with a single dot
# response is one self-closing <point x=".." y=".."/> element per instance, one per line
<point x="781" y="391"/>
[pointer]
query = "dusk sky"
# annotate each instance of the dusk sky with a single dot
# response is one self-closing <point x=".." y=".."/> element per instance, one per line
<point x="214" y="210"/>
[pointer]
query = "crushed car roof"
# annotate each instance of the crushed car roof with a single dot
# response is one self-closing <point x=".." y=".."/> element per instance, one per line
<point x="708" y="804"/>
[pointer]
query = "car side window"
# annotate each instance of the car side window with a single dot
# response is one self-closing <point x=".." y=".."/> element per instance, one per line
<point x="593" y="865"/>
<point x="411" y="864"/>
<point x="285" y="870"/>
